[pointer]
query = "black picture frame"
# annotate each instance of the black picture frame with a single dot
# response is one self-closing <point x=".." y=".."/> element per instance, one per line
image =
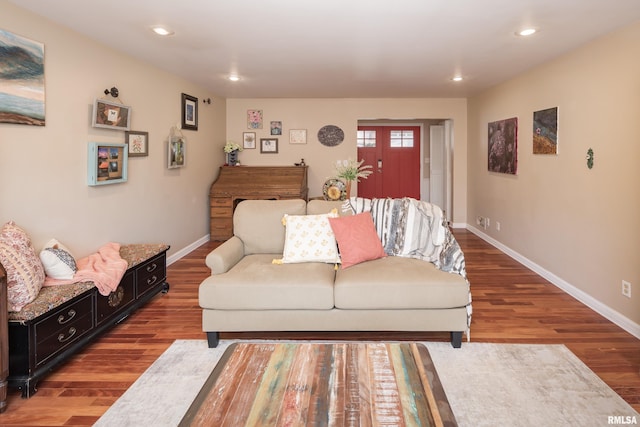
<point x="189" y="112"/>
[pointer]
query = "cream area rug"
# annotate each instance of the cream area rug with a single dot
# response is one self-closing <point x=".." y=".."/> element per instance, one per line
<point x="486" y="385"/>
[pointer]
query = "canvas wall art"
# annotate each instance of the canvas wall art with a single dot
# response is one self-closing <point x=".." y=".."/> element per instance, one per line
<point x="545" y="131"/>
<point x="21" y="80"/>
<point x="503" y="146"/>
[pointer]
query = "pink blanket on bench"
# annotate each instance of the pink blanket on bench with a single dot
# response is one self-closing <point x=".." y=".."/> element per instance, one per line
<point x="104" y="268"/>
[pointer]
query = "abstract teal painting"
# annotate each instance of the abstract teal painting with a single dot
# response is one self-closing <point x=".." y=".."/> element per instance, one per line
<point x="21" y="80"/>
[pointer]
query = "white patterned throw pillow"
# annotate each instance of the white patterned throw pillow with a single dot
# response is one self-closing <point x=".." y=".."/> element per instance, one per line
<point x="57" y="260"/>
<point x="309" y="238"/>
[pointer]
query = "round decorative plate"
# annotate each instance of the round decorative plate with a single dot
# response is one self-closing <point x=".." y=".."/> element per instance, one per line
<point x="330" y="135"/>
<point x="334" y="189"/>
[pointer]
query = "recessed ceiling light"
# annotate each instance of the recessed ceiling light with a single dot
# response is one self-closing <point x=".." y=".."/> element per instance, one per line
<point x="527" y="32"/>
<point x="457" y="78"/>
<point x="234" y="78"/>
<point x="161" y="31"/>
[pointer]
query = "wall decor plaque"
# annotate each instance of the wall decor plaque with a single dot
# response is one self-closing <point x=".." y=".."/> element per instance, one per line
<point x="330" y="135"/>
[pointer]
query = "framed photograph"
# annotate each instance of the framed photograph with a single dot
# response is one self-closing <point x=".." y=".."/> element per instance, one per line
<point x="189" y="112"/>
<point x="276" y="128"/>
<point x="111" y="115"/>
<point x="138" y="143"/>
<point x="107" y="163"/>
<point x="248" y="140"/>
<point x="254" y="119"/>
<point x="298" y="136"/>
<point x="269" y="145"/>
<point x="177" y="153"/>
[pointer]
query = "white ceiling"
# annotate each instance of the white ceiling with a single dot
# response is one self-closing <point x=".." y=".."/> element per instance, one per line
<point x="342" y="48"/>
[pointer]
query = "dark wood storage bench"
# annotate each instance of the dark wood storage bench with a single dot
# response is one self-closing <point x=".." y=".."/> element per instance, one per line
<point x="63" y="319"/>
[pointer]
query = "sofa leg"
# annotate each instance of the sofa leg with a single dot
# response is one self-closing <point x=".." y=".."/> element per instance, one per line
<point x="456" y="339"/>
<point x="212" y="339"/>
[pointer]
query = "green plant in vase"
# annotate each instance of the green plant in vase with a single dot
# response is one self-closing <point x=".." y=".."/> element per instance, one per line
<point x="352" y="170"/>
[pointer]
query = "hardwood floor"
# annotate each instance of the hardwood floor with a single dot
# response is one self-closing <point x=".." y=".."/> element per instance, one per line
<point x="511" y="304"/>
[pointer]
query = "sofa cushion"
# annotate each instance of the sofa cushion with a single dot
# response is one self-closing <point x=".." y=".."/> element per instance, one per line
<point x="258" y="223"/>
<point x="357" y="239"/>
<point x="399" y="283"/>
<point x="309" y="238"/>
<point x="25" y="274"/>
<point x="255" y="283"/>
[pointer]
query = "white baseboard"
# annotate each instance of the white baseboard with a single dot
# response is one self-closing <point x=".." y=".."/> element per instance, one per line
<point x="614" y="316"/>
<point x="187" y="250"/>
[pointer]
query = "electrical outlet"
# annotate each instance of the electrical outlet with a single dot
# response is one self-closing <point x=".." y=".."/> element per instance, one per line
<point x="487" y="223"/>
<point x="479" y="220"/>
<point x="626" y="289"/>
<point x="498" y="225"/>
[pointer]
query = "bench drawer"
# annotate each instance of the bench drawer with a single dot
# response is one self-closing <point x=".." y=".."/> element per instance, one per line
<point x="62" y="328"/>
<point x="151" y="273"/>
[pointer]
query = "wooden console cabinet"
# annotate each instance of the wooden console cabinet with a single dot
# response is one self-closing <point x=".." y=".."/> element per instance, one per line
<point x="237" y="183"/>
<point x="45" y="338"/>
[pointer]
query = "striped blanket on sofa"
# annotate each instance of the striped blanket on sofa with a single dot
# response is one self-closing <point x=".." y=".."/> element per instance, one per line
<point x="415" y="229"/>
<point x="412" y="228"/>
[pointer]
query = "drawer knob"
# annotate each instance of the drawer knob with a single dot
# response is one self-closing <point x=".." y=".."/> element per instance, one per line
<point x="72" y="332"/>
<point x="71" y="313"/>
<point x="151" y="280"/>
<point x="151" y="267"/>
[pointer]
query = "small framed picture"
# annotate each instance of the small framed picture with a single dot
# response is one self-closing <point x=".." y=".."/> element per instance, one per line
<point x="110" y="115"/>
<point x="269" y="145"/>
<point x="107" y="163"/>
<point x="276" y="128"/>
<point x="248" y="140"/>
<point x="189" y="112"/>
<point x="138" y="143"/>
<point x="254" y="119"/>
<point x="298" y="136"/>
<point x="177" y="154"/>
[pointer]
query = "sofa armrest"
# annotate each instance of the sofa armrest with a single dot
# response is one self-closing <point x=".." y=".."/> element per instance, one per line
<point x="221" y="259"/>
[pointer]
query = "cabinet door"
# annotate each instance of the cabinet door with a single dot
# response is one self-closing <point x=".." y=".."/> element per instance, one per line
<point x="124" y="294"/>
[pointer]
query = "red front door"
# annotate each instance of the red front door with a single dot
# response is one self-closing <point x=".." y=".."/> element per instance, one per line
<point x="394" y="153"/>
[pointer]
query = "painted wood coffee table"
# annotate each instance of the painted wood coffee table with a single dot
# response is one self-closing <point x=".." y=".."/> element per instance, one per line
<point x="322" y="384"/>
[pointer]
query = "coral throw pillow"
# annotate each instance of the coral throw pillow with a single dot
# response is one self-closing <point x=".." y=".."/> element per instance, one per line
<point x="357" y="239"/>
<point x="25" y="274"/>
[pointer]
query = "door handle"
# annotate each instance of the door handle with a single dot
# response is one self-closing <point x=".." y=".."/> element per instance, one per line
<point x="379" y="165"/>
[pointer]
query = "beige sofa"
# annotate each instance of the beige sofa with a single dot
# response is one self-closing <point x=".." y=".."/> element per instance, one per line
<point x="248" y="292"/>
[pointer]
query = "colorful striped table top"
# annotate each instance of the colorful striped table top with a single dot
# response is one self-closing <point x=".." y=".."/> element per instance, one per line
<point x="322" y="384"/>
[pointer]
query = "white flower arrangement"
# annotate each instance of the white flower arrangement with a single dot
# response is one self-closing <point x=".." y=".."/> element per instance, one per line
<point x="231" y="146"/>
<point x="351" y="170"/>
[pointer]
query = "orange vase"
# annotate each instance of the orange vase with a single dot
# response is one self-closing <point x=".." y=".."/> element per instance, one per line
<point x="348" y="189"/>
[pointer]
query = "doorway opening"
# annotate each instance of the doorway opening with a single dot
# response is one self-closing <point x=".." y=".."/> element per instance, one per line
<point x="409" y="158"/>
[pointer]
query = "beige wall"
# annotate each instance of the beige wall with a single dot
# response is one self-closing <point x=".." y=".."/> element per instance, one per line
<point x="43" y="170"/>
<point x="312" y="114"/>
<point x="581" y="225"/>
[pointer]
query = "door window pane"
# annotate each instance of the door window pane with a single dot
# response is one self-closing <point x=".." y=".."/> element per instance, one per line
<point x="366" y="138"/>
<point x="401" y="138"/>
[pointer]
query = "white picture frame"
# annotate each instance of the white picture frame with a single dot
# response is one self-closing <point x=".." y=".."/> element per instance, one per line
<point x="297" y="136"/>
